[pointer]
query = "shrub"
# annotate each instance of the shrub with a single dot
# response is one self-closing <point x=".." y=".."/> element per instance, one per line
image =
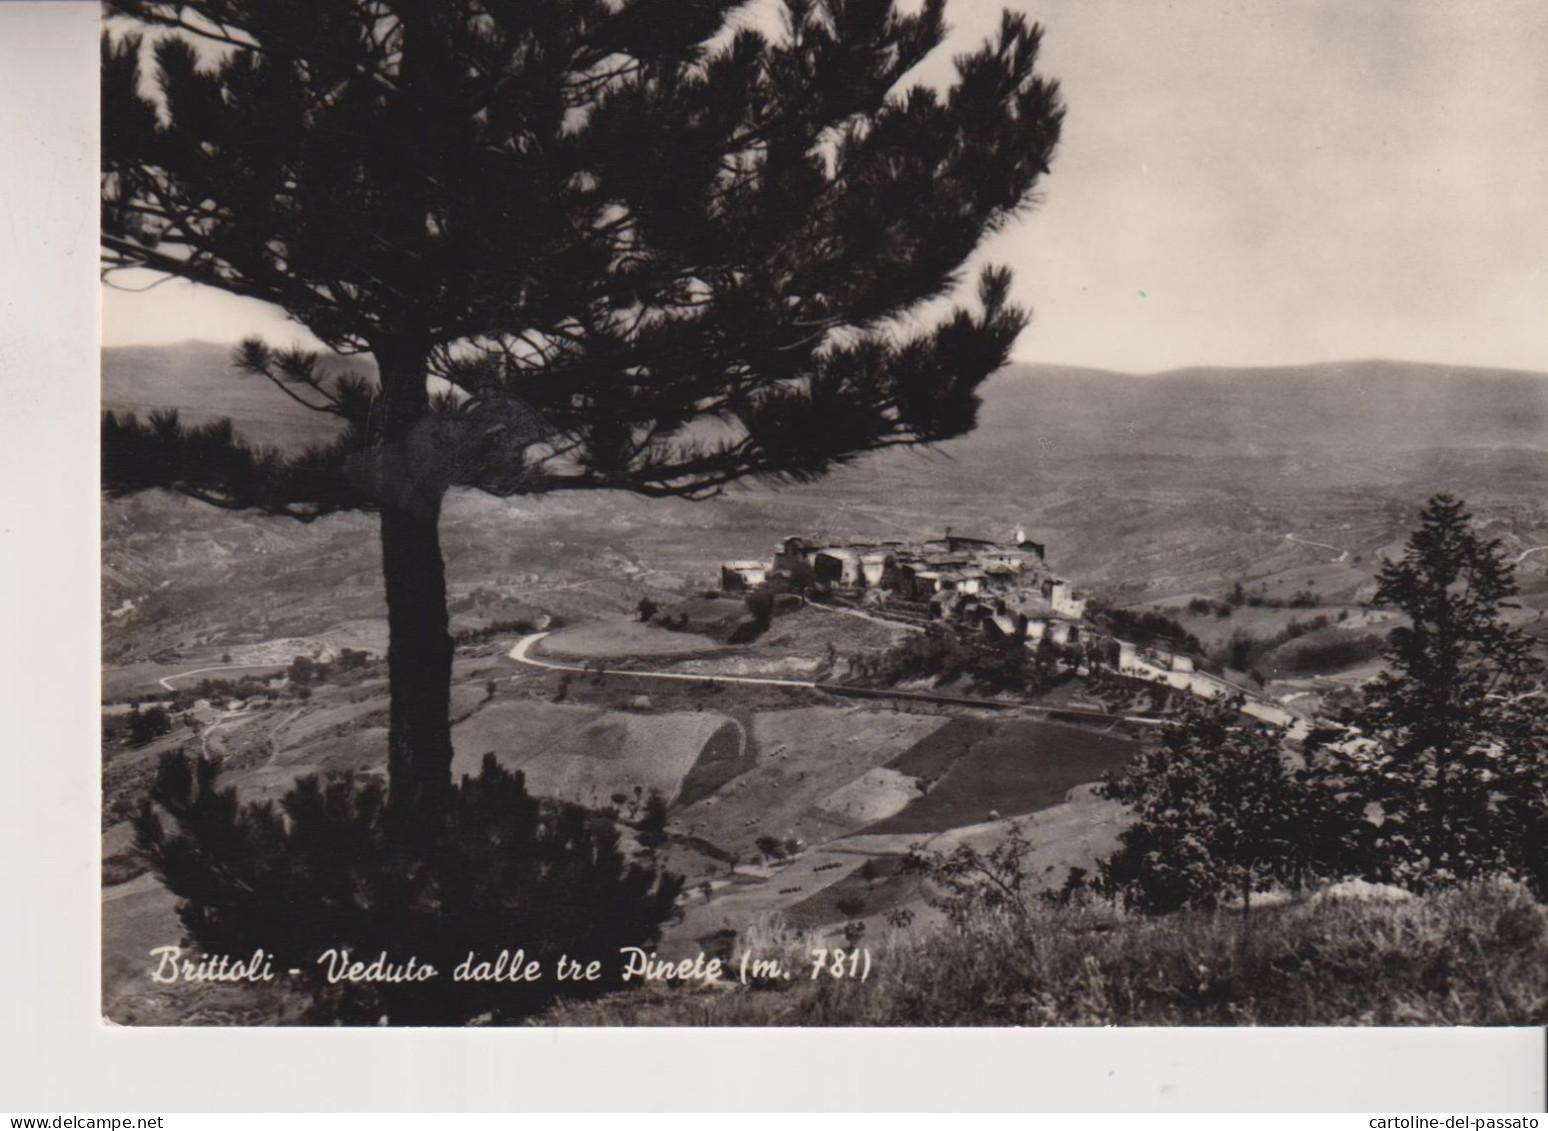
<point x="850" y="906"/>
<point x="1203" y="606"/>
<point x="1335" y="652"/>
<point x="1243" y="650"/>
<point x="1145" y="627"/>
<point x="490" y="869"/>
<point x="978" y="883"/>
<point x="653" y="820"/>
<point x="941" y="653"/>
<point x="760" y="604"/>
<point x="147" y="725"/>
<point x="1218" y="814"/>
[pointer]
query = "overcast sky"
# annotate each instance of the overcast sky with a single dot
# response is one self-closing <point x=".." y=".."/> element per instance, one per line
<point x="1247" y="183"/>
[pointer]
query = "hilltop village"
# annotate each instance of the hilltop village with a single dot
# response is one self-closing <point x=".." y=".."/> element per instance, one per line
<point x="1003" y="590"/>
<point x="1001" y="587"/>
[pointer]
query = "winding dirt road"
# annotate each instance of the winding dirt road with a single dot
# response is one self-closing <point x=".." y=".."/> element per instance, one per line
<point x="216" y="668"/>
<point x="1343" y="555"/>
<point x="520" y="653"/>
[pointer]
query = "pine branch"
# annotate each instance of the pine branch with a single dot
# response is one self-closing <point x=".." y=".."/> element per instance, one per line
<point x="211" y="464"/>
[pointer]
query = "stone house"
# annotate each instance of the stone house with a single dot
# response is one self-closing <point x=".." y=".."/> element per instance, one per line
<point x="740" y="575"/>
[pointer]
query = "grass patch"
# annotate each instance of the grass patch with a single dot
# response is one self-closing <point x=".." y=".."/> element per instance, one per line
<point x="855" y="896"/>
<point x="933" y="755"/>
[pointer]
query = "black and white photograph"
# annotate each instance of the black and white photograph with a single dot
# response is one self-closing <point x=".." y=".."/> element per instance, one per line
<point x="823" y="513"/>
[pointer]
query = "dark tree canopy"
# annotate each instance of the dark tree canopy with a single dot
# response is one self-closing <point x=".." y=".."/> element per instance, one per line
<point x="1458" y="761"/>
<point x="1456" y="671"/>
<point x="494" y="869"/>
<point x="651" y="246"/>
<point x="1218" y="812"/>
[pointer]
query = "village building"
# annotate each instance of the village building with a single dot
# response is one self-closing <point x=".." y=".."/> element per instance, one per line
<point x="1061" y="596"/>
<point x="837" y="565"/>
<point x="739" y="575"/>
<point x="1020" y="540"/>
<point x="793" y="557"/>
<point x="1056" y="629"/>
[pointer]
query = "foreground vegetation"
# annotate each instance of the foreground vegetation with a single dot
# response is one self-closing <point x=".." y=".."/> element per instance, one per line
<point x="1474" y="955"/>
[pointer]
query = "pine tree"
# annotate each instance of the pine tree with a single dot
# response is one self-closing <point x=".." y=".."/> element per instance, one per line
<point x="1457" y="757"/>
<point x="650" y="247"/>
<point x="652" y="821"/>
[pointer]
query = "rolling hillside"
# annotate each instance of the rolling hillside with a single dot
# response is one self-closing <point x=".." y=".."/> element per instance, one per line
<point x="1045" y="412"/>
<point x="1145" y="486"/>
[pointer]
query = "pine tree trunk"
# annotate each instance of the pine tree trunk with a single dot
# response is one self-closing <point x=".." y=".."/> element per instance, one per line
<point x="409" y="475"/>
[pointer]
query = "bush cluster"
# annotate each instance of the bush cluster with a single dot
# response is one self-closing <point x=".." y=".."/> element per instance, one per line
<point x="491" y="868"/>
<point x="1244" y="650"/>
<point x="943" y="654"/>
<point x="1146" y="627"/>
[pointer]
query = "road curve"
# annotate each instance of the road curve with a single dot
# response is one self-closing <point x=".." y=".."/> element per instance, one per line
<point x="520" y="653"/>
<point x="1343" y="555"/>
<point x="216" y="668"/>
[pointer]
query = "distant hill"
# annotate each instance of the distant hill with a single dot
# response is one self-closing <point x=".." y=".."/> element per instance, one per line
<point x="1331" y="408"/>
<point x="1175" y="481"/>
